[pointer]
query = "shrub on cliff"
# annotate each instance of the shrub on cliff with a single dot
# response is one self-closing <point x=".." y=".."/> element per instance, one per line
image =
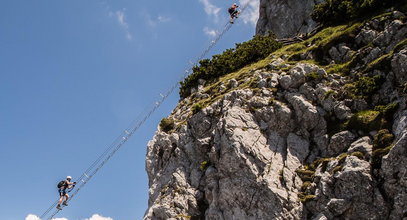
<point x="167" y="124"/>
<point x="339" y="11"/>
<point x="229" y="61"/>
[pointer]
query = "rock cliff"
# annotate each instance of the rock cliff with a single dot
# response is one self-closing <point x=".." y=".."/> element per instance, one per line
<point x="286" y="18"/>
<point x="315" y="131"/>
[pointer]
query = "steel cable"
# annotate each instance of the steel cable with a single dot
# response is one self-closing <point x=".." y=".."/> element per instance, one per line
<point x="133" y="127"/>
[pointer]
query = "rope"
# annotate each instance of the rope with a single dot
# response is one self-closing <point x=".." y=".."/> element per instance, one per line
<point x="132" y="128"/>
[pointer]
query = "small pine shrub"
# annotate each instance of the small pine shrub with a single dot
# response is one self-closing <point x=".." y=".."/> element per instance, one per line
<point x="167" y="124"/>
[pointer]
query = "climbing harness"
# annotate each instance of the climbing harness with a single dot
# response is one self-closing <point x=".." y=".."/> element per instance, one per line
<point x="132" y="128"/>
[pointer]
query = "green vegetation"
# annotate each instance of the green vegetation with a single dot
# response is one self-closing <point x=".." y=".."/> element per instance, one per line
<point x="377" y="156"/>
<point x="343" y="68"/>
<point x="334" y="125"/>
<point x="183" y="216"/>
<point x="229" y="61"/>
<point x="366" y="121"/>
<point x="281" y="177"/>
<point x="366" y="86"/>
<point x="373" y="120"/>
<point x="322" y="161"/>
<point x="382" y="139"/>
<point x="341" y="158"/>
<point x="382" y="144"/>
<point x="204" y="165"/>
<point x="305" y="185"/>
<point x="167" y="124"/>
<point x="383" y="62"/>
<point x="197" y="108"/>
<point x="312" y="76"/>
<point x="305" y="198"/>
<point x="305" y="174"/>
<point x="358" y="154"/>
<point x="336" y="169"/>
<point x="328" y="94"/>
<point x="400" y="45"/>
<point x="387" y="110"/>
<point x="272" y="100"/>
<point x="333" y="12"/>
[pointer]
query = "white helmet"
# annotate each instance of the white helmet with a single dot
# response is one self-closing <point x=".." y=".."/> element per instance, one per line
<point x="69" y="177"/>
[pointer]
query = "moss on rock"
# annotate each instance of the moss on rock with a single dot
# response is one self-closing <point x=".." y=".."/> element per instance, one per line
<point x="366" y="121"/>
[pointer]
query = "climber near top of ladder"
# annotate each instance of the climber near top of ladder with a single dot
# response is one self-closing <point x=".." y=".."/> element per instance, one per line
<point x="233" y="12"/>
<point x="62" y="187"/>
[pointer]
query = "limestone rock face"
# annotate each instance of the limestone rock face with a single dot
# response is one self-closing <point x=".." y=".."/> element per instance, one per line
<point x="287" y="141"/>
<point x="286" y="18"/>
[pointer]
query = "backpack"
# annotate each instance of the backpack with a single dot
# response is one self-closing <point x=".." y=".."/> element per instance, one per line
<point x="61" y="184"/>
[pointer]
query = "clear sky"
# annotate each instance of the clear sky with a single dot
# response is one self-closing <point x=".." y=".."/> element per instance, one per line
<point x="73" y="75"/>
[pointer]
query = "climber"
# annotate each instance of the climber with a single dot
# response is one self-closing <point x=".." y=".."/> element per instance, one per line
<point x="63" y="196"/>
<point x="233" y="12"/>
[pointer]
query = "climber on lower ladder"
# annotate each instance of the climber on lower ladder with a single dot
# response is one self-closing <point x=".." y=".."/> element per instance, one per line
<point x="233" y="12"/>
<point x="62" y="187"/>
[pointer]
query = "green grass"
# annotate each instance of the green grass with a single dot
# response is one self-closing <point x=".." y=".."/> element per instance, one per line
<point x="230" y="61"/>
<point x="305" y="174"/>
<point x="305" y="185"/>
<point x="336" y="169"/>
<point x="341" y="158"/>
<point x="358" y="154"/>
<point x="377" y="156"/>
<point x="383" y="62"/>
<point x="305" y="198"/>
<point x="321" y="42"/>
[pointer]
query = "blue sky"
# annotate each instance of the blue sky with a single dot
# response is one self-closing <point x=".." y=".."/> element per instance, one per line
<point x="73" y="75"/>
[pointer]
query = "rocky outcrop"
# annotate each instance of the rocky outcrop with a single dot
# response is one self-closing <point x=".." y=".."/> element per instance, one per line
<point x="292" y="140"/>
<point x="286" y="18"/>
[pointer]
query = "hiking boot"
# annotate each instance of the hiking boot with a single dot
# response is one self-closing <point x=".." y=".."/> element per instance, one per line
<point x="65" y="203"/>
<point x="59" y="207"/>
